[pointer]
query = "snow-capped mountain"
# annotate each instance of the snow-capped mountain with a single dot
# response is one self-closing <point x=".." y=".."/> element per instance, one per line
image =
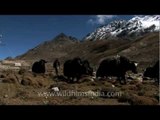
<point x="136" y="26"/>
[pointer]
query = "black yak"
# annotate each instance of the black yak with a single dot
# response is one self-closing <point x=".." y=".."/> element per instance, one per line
<point x="75" y="68"/>
<point x="39" y="66"/>
<point x="116" y="66"/>
<point x="152" y="72"/>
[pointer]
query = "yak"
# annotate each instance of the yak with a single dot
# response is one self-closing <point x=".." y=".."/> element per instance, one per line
<point x="75" y="68"/>
<point x="39" y="66"/>
<point x="116" y="66"/>
<point x="152" y="72"/>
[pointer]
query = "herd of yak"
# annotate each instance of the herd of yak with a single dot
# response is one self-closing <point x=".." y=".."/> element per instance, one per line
<point x="115" y="66"/>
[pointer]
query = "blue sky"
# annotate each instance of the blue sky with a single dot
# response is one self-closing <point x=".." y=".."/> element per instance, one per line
<point x="19" y="33"/>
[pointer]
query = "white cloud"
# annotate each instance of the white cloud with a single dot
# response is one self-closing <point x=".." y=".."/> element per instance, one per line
<point x="100" y="19"/>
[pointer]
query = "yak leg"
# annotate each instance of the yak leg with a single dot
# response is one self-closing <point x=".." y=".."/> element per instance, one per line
<point x="70" y="79"/>
<point x="122" y="78"/>
<point x="119" y="79"/>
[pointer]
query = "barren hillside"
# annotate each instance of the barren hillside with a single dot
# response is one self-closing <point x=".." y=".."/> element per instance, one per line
<point x="144" y="49"/>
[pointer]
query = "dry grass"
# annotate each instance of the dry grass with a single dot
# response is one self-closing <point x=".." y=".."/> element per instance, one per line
<point x="134" y="99"/>
<point x="26" y="89"/>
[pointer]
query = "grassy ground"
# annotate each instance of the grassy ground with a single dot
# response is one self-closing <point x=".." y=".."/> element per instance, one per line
<point x="25" y="88"/>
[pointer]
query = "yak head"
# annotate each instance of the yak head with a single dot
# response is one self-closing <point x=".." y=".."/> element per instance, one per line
<point x="42" y="62"/>
<point x="133" y="66"/>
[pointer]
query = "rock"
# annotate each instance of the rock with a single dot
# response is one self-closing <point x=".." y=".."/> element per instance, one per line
<point x="55" y="89"/>
<point x="25" y="82"/>
<point x="113" y="86"/>
<point x="140" y="79"/>
<point x="92" y="79"/>
<point x="6" y="96"/>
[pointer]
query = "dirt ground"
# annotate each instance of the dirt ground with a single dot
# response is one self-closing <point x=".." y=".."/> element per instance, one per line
<point x="26" y="88"/>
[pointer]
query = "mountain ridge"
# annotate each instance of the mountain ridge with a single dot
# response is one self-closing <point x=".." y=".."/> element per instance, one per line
<point x="132" y="28"/>
<point x="51" y="46"/>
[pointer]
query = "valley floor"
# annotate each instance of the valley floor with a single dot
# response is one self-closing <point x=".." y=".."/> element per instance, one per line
<point x="26" y="88"/>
